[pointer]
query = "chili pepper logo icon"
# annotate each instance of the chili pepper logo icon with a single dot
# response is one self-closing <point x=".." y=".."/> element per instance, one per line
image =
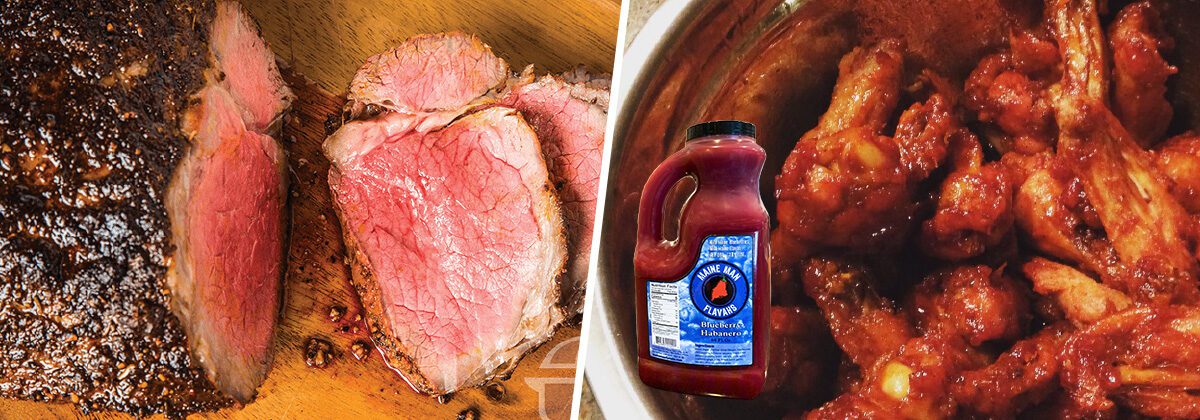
<point x="719" y="290"/>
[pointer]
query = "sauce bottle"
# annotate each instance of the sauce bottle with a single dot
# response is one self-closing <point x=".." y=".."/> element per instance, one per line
<point x="704" y="299"/>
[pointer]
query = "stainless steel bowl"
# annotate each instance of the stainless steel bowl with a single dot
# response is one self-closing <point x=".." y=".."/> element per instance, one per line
<point x="771" y="62"/>
<point x="674" y="71"/>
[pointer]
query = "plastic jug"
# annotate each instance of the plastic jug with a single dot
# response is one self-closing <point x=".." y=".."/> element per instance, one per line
<point x="703" y="299"/>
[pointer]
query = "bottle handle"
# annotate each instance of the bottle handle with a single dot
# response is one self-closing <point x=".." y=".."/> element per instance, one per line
<point x="650" y="211"/>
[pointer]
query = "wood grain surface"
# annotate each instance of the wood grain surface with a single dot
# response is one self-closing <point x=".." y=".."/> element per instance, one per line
<point x="328" y="40"/>
<point x="321" y="44"/>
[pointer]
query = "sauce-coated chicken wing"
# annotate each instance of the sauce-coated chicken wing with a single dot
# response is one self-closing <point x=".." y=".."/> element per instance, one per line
<point x="846" y="185"/>
<point x="1140" y="73"/>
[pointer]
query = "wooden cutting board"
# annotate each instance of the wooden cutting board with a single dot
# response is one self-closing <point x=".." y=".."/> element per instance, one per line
<point x="328" y="40"/>
<point x="322" y="43"/>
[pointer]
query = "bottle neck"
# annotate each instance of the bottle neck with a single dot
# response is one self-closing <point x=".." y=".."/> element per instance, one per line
<point x="721" y="138"/>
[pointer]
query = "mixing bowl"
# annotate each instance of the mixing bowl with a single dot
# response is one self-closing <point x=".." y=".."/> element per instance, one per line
<point x="773" y="63"/>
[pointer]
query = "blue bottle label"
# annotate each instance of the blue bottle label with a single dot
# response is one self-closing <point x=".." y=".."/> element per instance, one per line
<point x="707" y="317"/>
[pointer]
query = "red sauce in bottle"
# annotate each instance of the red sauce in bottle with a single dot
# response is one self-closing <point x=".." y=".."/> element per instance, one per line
<point x="704" y="299"/>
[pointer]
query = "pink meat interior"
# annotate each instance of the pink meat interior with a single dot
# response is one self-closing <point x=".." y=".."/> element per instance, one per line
<point x="226" y="205"/>
<point x="571" y="130"/>
<point x="459" y="230"/>
<point x="426" y="73"/>
<point x="248" y="66"/>
<point x="235" y="235"/>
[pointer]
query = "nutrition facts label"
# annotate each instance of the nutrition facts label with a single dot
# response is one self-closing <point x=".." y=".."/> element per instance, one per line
<point x="707" y="317"/>
<point x="664" y="314"/>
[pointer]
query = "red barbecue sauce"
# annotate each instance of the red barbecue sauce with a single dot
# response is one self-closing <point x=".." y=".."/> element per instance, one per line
<point x="703" y="300"/>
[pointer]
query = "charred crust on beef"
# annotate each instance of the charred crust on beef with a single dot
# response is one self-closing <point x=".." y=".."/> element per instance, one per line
<point x="81" y="279"/>
<point x="105" y="106"/>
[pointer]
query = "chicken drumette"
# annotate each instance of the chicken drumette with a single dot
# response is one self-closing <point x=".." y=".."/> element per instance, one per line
<point x="847" y="185"/>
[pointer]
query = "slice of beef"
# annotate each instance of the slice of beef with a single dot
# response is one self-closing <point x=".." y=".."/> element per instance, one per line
<point x="437" y="77"/>
<point x="569" y="113"/>
<point x="226" y="206"/>
<point x="457" y="240"/>
<point x="247" y="68"/>
<point x="105" y="109"/>
<point x="446" y="199"/>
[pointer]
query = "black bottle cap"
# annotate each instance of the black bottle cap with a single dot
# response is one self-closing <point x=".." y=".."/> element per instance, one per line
<point x="718" y="128"/>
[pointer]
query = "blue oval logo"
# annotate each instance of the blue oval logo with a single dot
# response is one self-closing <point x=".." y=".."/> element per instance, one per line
<point x="719" y="290"/>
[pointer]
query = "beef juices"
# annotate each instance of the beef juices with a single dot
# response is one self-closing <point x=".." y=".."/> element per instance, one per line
<point x="703" y="299"/>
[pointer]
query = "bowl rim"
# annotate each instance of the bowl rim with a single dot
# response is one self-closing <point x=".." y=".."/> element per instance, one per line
<point x="607" y="368"/>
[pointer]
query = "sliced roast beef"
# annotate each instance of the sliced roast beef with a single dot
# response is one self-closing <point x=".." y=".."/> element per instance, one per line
<point x="436" y="77"/>
<point x="226" y="206"/>
<point x="226" y="210"/>
<point x="568" y="113"/>
<point x="141" y="205"/>
<point x="247" y="68"/>
<point x="458" y="238"/>
<point x="446" y="196"/>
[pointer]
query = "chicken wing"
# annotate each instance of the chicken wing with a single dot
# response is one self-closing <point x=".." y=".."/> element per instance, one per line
<point x="912" y="384"/>
<point x="1008" y="91"/>
<point x="1148" y="358"/>
<point x="864" y="324"/>
<point x="1140" y="73"/>
<point x="846" y="185"/>
<point x="1024" y="375"/>
<point x="975" y="303"/>
<point x="1147" y="227"/>
<point x="1053" y="211"/>
<point x="958" y="309"/>
<point x="974" y="206"/>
